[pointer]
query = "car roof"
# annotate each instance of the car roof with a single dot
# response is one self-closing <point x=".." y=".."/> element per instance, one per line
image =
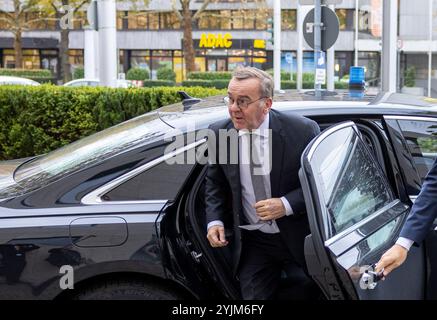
<point x="80" y="80"/>
<point x="17" y="80"/>
<point x="305" y="103"/>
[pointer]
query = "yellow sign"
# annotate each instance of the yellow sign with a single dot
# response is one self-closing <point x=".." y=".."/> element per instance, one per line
<point x="211" y="40"/>
<point x="259" y="44"/>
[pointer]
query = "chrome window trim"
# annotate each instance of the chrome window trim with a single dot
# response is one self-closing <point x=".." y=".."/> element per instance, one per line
<point x="414" y="118"/>
<point x="327" y="133"/>
<point x="345" y="234"/>
<point x="95" y="196"/>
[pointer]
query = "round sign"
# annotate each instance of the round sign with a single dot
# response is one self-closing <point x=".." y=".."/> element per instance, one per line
<point x="330" y="28"/>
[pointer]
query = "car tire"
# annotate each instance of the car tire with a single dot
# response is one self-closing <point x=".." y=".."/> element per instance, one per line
<point x="127" y="290"/>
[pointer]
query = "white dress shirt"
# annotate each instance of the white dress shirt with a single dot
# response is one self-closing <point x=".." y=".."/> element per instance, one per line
<point x="404" y="242"/>
<point x="247" y="193"/>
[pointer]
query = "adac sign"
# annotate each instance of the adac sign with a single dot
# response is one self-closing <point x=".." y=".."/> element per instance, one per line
<point x="212" y="40"/>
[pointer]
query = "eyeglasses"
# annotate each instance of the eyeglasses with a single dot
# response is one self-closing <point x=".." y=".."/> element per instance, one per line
<point x="242" y="103"/>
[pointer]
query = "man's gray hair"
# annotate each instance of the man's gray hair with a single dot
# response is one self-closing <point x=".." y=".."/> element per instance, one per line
<point x="266" y="87"/>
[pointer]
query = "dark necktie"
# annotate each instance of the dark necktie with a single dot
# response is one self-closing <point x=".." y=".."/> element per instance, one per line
<point x="256" y="170"/>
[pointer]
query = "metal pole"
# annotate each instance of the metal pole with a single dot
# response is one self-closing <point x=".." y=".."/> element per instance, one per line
<point x="91" y="56"/>
<point x="107" y="42"/>
<point x="356" y="33"/>
<point x="317" y="41"/>
<point x="430" y="47"/>
<point x="299" y="55"/>
<point x="277" y="45"/>
<point x="389" y="45"/>
<point x="330" y="61"/>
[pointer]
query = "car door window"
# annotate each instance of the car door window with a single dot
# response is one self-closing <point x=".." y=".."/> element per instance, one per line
<point x="421" y="138"/>
<point x="160" y="182"/>
<point x="352" y="185"/>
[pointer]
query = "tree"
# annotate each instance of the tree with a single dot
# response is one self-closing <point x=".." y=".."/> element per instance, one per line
<point x="17" y="22"/>
<point x="187" y="18"/>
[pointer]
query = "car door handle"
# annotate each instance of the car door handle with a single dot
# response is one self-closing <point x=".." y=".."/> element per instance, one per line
<point x="370" y="278"/>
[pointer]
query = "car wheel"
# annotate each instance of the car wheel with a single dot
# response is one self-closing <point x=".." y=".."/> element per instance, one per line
<point x="127" y="290"/>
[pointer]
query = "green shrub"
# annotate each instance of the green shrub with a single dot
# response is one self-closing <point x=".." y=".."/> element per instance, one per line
<point x="197" y="83"/>
<point x="285" y="85"/>
<point x="40" y="75"/>
<point x="26" y="73"/>
<point x="137" y="74"/>
<point x="210" y="75"/>
<point x="158" y="83"/>
<point x="410" y="76"/>
<point x="78" y="73"/>
<point x="39" y="119"/>
<point x="166" y="74"/>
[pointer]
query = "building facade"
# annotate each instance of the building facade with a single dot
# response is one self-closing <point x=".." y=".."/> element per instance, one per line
<point x="230" y="33"/>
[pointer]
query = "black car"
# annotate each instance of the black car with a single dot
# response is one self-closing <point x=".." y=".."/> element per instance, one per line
<point x="114" y="216"/>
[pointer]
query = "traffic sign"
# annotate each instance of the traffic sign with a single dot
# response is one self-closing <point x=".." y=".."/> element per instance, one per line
<point x="321" y="68"/>
<point x="330" y="28"/>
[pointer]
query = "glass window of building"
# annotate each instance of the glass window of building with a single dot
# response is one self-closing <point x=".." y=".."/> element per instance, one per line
<point x="8" y="58"/>
<point x="121" y="18"/>
<point x="249" y="19"/>
<point x="169" y="20"/>
<point x="140" y="59"/>
<point x="75" y="59"/>
<point x="288" y="19"/>
<point x="342" y="18"/>
<point x="137" y="20"/>
<point x="210" y="19"/>
<point x="153" y="20"/>
<point x="237" y="19"/>
<point x="4" y="24"/>
<point x="31" y="59"/>
<point x="261" y="19"/>
<point x="160" y="59"/>
<point x="371" y="62"/>
<point x="225" y="20"/>
<point x="49" y="60"/>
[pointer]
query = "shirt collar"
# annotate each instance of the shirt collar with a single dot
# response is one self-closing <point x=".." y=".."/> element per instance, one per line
<point x="262" y="130"/>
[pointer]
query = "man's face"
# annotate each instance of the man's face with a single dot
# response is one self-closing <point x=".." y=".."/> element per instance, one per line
<point x="253" y="115"/>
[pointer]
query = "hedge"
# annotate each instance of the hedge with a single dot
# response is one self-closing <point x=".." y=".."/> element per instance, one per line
<point x="40" y="75"/>
<point x="210" y="75"/>
<point x="158" y="83"/>
<point x="36" y="120"/>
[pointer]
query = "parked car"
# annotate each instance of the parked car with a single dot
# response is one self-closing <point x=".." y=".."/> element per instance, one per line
<point x="131" y="225"/>
<point x="95" y="82"/>
<point x="9" y="80"/>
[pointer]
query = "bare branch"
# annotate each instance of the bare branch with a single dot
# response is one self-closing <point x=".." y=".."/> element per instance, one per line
<point x="202" y="8"/>
<point x="176" y="11"/>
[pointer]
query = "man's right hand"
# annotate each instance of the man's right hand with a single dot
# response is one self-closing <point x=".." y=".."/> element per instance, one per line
<point x="392" y="259"/>
<point x="216" y="236"/>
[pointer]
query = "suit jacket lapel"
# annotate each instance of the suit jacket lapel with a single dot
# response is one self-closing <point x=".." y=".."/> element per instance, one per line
<point x="277" y="153"/>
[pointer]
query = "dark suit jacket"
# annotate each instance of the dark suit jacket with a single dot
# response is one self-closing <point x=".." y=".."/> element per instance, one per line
<point x="290" y="135"/>
<point x="424" y="210"/>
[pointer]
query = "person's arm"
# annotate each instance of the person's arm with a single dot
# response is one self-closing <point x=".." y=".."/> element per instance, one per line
<point x="422" y="214"/>
<point x="215" y="200"/>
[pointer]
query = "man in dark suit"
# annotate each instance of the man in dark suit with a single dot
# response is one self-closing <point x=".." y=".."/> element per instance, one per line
<point x="260" y="172"/>
<point x="417" y="226"/>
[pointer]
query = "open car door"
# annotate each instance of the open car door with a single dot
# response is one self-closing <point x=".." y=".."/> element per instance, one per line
<point x="354" y="218"/>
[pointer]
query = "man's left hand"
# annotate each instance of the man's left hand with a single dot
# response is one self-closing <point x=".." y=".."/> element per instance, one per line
<point x="270" y="209"/>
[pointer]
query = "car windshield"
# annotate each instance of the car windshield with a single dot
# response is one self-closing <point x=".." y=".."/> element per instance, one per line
<point x="92" y="149"/>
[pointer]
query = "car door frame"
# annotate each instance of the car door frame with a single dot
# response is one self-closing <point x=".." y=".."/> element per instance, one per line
<point x="321" y="255"/>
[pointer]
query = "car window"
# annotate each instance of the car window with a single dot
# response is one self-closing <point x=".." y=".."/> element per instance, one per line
<point x="351" y="183"/>
<point x="421" y="138"/>
<point x="161" y="182"/>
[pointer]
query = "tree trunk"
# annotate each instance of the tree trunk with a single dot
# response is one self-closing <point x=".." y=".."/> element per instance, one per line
<point x="64" y="73"/>
<point x="18" y="47"/>
<point x="189" y="53"/>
